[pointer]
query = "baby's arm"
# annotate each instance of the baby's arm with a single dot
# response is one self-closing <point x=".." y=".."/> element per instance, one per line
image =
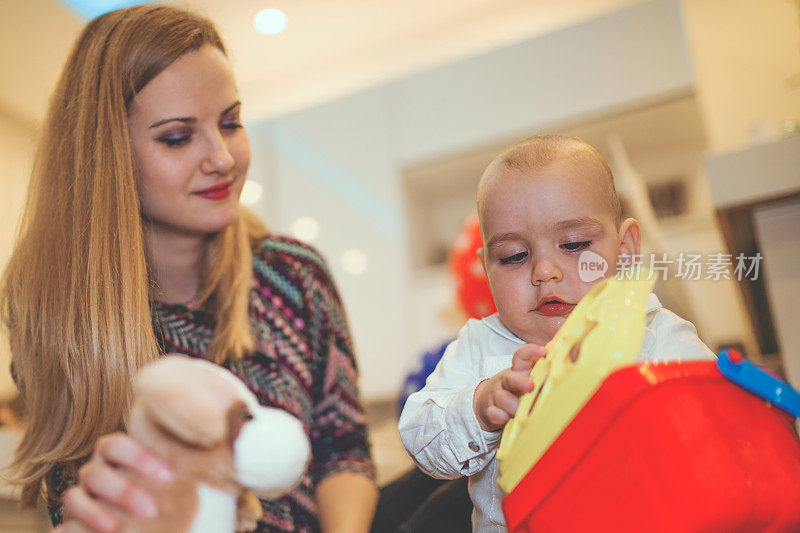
<point x="439" y="426"/>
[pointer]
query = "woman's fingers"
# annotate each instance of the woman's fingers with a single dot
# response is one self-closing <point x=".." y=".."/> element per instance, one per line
<point x="80" y="508"/>
<point x="121" y="450"/>
<point x="108" y="492"/>
<point x="112" y="486"/>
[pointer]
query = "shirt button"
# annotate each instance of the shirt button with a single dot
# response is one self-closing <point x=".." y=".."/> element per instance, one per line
<point x="473" y="446"/>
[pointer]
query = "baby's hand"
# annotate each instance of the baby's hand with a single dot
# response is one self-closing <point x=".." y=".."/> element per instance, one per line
<point x="496" y="399"/>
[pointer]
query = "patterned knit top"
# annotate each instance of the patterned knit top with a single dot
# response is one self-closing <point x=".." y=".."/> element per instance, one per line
<point x="303" y="363"/>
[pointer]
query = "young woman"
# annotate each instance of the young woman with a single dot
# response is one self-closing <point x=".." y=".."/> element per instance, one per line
<point x="133" y="244"/>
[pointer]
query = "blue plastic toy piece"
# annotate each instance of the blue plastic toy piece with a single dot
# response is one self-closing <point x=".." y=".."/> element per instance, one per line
<point x="761" y="383"/>
<point x="415" y="379"/>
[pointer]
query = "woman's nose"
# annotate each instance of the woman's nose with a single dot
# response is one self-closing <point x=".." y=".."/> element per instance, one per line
<point x="218" y="159"/>
<point x="545" y="269"/>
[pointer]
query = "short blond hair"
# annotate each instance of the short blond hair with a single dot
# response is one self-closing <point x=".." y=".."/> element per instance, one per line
<point x="538" y="152"/>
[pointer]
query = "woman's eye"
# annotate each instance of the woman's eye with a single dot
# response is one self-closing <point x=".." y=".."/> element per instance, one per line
<point x="234" y="124"/>
<point x="516" y="258"/>
<point x="575" y="246"/>
<point x="175" y="141"/>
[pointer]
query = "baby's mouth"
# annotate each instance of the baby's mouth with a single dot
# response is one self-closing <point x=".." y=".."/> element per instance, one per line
<point x="553" y="306"/>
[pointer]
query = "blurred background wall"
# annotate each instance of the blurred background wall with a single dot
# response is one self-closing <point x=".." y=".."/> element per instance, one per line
<point x="372" y="121"/>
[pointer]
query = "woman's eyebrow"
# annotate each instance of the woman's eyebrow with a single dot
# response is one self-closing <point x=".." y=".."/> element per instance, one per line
<point x="190" y="120"/>
<point x="187" y="120"/>
<point x="231" y="107"/>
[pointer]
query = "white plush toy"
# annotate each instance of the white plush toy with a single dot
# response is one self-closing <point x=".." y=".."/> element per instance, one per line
<point x="225" y="448"/>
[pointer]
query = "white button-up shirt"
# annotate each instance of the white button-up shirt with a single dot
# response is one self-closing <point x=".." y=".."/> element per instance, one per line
<point x="438" y="424"/>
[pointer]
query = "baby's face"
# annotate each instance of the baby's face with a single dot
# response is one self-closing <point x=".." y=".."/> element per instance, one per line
<point x="535" y="226"/>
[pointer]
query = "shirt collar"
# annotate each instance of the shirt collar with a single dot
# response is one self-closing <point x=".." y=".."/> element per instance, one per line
<point x="494" y="323"/>
<point x="653" y="303"/>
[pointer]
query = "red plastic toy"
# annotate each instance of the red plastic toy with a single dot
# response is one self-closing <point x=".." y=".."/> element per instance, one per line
<point x="472" y="287"/>
<point x="670" y="447"/>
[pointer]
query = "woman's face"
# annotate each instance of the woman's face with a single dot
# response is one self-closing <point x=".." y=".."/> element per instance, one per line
<point x="189" y="145"/>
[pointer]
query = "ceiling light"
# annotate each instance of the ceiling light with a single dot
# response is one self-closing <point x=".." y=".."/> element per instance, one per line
<point x="251" y="192"/>
<point x="305" y="229"/>
<point x="270" y="21"/>
<point x="354" y="261"/>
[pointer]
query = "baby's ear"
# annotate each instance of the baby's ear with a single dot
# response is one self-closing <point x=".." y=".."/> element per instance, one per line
<point x="481" y="253"/>
<point x="630" y="237"/>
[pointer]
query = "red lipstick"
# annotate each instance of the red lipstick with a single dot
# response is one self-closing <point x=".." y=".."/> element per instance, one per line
<point x="217" y="192"/>
<point x="553" y="306"/>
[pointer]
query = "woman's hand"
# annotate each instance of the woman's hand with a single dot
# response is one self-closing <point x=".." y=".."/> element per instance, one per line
<point x="107" y="495"/>
<point x="496" y="399"/>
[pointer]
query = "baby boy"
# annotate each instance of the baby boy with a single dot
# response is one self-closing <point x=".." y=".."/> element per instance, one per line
<point x="541" y="204"/>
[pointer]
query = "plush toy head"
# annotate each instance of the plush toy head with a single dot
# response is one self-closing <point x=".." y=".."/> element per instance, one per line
<point x="210" y="427"/>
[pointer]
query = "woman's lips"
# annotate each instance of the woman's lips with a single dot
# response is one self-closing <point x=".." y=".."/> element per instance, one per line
<point x="217" y="192"/>
<point x="554" y="307"/>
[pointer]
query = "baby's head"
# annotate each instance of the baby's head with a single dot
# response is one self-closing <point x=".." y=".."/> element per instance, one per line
<point x="542" y="203"/>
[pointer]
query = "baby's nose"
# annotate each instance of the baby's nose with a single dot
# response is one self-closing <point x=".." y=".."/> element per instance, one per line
<point x="545" y="270"/>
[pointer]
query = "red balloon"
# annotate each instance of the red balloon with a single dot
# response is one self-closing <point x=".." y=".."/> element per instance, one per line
<point x="472" y="287"/>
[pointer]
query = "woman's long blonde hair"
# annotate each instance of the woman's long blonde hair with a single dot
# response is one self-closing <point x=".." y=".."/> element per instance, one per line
<point x="76" y="296"/>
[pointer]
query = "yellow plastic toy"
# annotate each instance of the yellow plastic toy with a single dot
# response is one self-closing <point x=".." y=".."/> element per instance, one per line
<point x="606" y="329"/>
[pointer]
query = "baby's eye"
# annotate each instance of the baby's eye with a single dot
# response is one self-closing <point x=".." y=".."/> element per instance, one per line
<point x="516" y="258"/>
<point x="575" y="246"/>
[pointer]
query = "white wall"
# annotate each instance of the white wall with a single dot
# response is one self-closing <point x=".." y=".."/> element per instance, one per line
<point x="333" y="164"/>
<point x="16" y="153"/>
<point x="310" y="161"/>
<point x="747" y="56"/>
<point x="629" y="57"/>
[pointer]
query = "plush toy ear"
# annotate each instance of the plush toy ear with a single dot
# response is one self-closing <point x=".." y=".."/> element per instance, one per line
<point x="197" y="423"/>
<point x="173" y="396"/>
